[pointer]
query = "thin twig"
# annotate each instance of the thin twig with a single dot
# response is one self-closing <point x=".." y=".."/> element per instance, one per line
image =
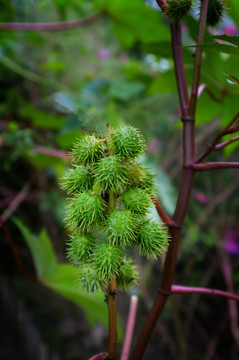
<point x="129" y="328"/>
<point x="211" y="146"/>
<point x="52" y="152"/>
<point x="17" y="201"/>
<point x="178" y="289"/>
<point x="51" y="26"/>
<point x="226" y="267"/>
<point x="101" y="356"/>
<point x="225" y="143"/>
<point x="198" y="59"/>
<point x="166" y="219"/>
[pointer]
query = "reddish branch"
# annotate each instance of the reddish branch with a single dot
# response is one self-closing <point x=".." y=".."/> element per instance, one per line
<point x="112" y="316"/>
<point x="176" y="32"/>
<point x="165" y="218"/>
<point x="129" y="328"/>
<point x="17" y="200"/>
<point x="225" y="143"/>
<point x="188" y="110"/>
<point x="99" y="357"/>
<point x="217" y="138"/>
<point x="52" y="152"/>
<point x="215" y="165"/>
<point x="178" y="289"/>
<point x="51" y="26"/>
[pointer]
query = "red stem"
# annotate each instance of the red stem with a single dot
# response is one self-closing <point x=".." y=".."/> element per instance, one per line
<point x="129" y="328"/>
<point x="212" y="146"/>
<point x="188" y="114"/>
<point x="165" y="218"/>
<point x="112" y="316"/>
<point x="99" y="357"/>
<point x="51" y="26"/>
<point x="176" y="34"/>
<point x="215" y="165"/>
<point x="52" y="152"/>
<point x="178" y="289"/>
<point x="225" y="143"/>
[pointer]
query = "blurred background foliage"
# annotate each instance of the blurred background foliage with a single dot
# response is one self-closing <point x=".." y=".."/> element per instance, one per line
<point x="56" y="85"/>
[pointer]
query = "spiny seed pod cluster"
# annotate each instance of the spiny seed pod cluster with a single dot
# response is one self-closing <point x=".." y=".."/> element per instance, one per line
<point x="215" y="12"/>
<point x="177" y="9"/>
<point x="110" y="199"/>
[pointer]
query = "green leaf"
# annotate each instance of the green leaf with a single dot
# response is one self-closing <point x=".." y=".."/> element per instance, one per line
<point x="164" y="83"/>
<point x="64" y="281"/>
<point x="125" y="90"/>
<point x="62" y="278"/>
<point x="42" y="119"/>
<point x="234" y="10"/>
<point x="166" y="192"/>
<point x="230" y="39"/>
<point x="41" y="250"/>
<point x="223" y="48"/>
<point x="135" y="21"/>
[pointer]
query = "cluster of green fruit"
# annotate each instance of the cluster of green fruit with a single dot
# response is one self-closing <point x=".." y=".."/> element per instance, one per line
<point x="177" y="9"/>
<point x="110" y="199"/>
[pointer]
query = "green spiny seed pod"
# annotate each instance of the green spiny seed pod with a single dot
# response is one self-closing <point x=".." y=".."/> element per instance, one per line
<point x="177" y="9"/>
<point x="85" y="210"/>
<point x="153" y="239"/>
<point x="110" y="174"/>
<point x="215" y="12"/>
<point x="128" y="275"/>
<point x="140" y="176"/>
<point x="121" y="227"/>
<point x="127" y="142"/>
<point x="135" y="173"/>
<point x="107" y="260"/>
<point x="137" y="201"/>
<point x="78" y="179"/>
<point x="88" y="150"/>
<point x="80" y="248"/>
<point x="89" y="279"/>
<point x="148" y="181"/>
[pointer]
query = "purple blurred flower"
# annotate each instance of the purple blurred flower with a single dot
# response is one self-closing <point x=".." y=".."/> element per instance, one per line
<point x="231" y="239"/>
<point x="103" y="54"/>
<point x="230" y="29"/>
<point x="200" y="197"/>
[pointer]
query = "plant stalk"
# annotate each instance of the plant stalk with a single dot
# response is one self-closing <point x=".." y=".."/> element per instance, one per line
<point x="188" y="110"/>
<point x="112" y="316"/>
<point x="111" y="301"/>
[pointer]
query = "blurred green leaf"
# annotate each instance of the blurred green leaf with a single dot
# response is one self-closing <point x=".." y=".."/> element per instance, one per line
<point x="135" y="21"/>
<point x="126" y="90"/>
<point x="221" y="47"/>
<point x="62" y="278"/>
<point x="42" y="119"/>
